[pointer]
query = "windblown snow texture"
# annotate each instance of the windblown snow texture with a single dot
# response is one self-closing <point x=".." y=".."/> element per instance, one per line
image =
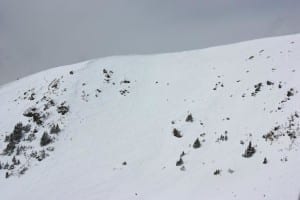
<point x="217" y="123"/>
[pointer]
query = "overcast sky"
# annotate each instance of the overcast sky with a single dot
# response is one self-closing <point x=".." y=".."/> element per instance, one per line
<point x="40" y="34"/>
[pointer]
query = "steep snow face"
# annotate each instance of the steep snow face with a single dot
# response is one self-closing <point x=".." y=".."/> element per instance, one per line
<point x="218" y="123"/>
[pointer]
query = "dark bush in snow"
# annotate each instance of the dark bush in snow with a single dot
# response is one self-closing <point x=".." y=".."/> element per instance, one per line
<point x="124" y="92"/>
<point x="63" y="109"/>
<point x="125" y="81"/>
<point x="23" y="170"/>
<point x="31" y="137"/>
<point x="41" y="156"/>
<point x="177" y="133"/>
<point x="179" y="162"/>
<point x="217" y="172"/>
<point x="17" y="133"/>
<point x="182" y="154"/>
<point x="196" y="144"/>
<point x="49" y="104"/>
<point x="249" y="151"/>
<point x="29" y="112"/>
<point x="7" y="175"/>
<point x="257" y="87"/>
<point x="189" y="118"/>
<point x="9" y="149"/>
<point x="14" y="160"/>
<point x="6" y="138"/>
<point x="31" y="98"/>
<point x="46" y="139"/>
<point x="36" y="116"/>
<point x="19" y="150"/>
<point x="290" y="93"/>
<point x="14" y="138"/>
<point x="6" y="166"/>
<point x="265" y="161"/>
<point x="27" y="128"/>
<point x="54" y="129"/>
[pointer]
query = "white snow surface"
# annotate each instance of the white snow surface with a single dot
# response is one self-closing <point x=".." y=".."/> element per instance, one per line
<point x="103" y="129"/>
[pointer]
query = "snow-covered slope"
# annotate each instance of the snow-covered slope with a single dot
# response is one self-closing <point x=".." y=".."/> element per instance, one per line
<point x="218" y="123"/>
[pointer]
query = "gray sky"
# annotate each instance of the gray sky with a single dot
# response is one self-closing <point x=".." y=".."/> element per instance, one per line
<point x="39" y="34"/>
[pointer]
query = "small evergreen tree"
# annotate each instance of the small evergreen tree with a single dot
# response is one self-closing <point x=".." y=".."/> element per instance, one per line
<point x="46" y="139"/>
<point x="189" y="118"/>
<point x="6" y="166"/>
<point x="177" y="133"/>
<point x="18" y="152"/>
<point x="9" y="149"/>
<point x="6" y="175"/>
<point x="14" y="160"/>
<point x="41" y="156"/>
<point x="182" y="154"/>
<point x="17" y="134"/>
<point x="217" y="172"/>
<point x="27" y="128"/>
<point x="54" y="129"/>
<point x="265" y="161"/>
<point x="197" y="144"/>
<point x="249" y="151"/>
<point x="63" y="109"/>
<point x="179" y="162"/>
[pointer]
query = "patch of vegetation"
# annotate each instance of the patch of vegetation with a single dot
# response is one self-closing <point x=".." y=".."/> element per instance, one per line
<point x="54" y="129"/>
<point x="257" y="89"/>
<point x="189" y="118"/>
<point x="250" y="151"/>
<point x="291" y="129"/>
<point x="290" y="93"/>
<point x="125" y="81"/>
<point x="49" y="104"/>
<point x="35" y="115"/>
<point x="177" y="133"/>
<point x="107" y="75"/>
<point x="45" y="139"/>
<point x="15" y="137"/>
<point x="197" y="144"/>
<point x="217" y="172"/>
<point x="124" y="92"/>
<point x="265" y="161"/>
<point x="63" y="108"/>
<point x="179" y="162"/>
<point x="223" y="137"/>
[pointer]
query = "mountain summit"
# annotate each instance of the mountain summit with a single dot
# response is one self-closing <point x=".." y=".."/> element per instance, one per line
<point x="217" y="123"/>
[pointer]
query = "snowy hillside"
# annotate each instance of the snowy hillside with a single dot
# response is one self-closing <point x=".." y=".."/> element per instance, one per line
<point x="218" y="123"/>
